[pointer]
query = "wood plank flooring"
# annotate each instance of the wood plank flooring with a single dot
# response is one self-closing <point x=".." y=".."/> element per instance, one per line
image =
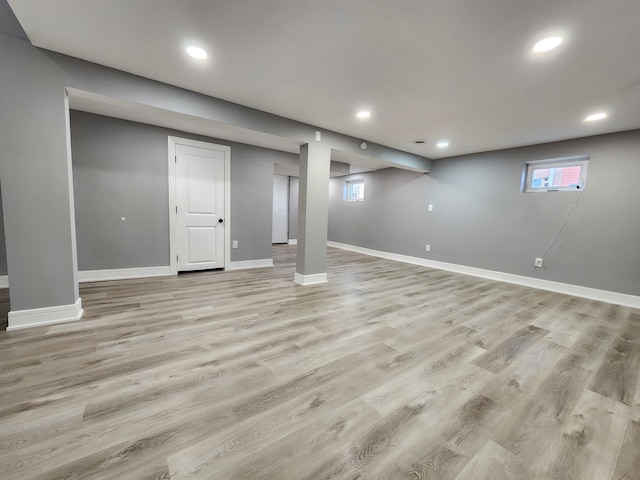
<point x="389" y="371"/>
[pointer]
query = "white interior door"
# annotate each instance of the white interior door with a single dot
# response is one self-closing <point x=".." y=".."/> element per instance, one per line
<point x="280" y="224"/>
<point x="200" y="197"/>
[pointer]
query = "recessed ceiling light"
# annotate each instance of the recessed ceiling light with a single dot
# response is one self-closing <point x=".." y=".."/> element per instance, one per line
<point x="442" y="144"/>
<point x="595" y="117"/>
<point x="419" y="141"/>
<point x="363" y="114"/>
<point x="196" y="52"/>
<point x="547" y="44"/>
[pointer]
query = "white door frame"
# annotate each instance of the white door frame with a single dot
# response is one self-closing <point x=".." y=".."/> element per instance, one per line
<point x="173" y="249"/>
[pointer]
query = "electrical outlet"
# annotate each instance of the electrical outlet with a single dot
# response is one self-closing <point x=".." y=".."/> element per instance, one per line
<point x="428" y="248"/>
<point x="431" y="207"/>
<point x="235" y="244"/>
<point x="538" y="262"/>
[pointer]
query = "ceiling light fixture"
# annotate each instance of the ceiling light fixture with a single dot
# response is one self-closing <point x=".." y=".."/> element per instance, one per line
<point x="363" y="114"/>
<point x="595" y="117"/>
<point x="547" y="44"/>
<point x="419" y="141"/>
<point x="442" y="144"/>
<point x="196" y="52"/>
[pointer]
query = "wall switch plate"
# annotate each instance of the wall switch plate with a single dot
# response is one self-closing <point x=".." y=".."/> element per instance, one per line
<point x="318" y="136"/>
<point x="235" y="244"/>
<point x="428" y="248"/>
<point x="538" y="263"/>
<point x="431" y="207"/>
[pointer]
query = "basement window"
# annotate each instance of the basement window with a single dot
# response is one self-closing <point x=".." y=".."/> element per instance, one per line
<point x="355" y="191"/>
<point x="568" y="174"/>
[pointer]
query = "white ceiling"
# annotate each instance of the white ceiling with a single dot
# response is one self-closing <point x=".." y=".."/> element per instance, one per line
<point x="460" y="70"/>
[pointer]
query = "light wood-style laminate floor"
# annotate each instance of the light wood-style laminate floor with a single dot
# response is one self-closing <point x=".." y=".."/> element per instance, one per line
<point x="389" y="371"/>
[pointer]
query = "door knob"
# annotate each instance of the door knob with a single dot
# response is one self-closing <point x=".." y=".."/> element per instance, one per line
<point x="220" y="220"/>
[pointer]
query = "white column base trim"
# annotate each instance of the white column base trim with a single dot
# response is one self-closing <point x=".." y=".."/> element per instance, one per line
<point x="293" y="241"/>
<point x="122" y="273"/>
<point x="312" y="279"/>
<point x="607" y="296"/>
<point x="38" y="317"/>
<point x="244" y="264"/>
<point x="4" y="281"/>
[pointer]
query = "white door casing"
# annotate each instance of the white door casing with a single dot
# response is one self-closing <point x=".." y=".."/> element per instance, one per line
<point x="198" y="205"/>
<point x="280" y="223"/>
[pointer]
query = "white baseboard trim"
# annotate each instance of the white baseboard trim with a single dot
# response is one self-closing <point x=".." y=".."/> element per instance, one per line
<point x="293" y="241"/>
<point x="607" y="296"/>
<point x="244" y="264"/>
<point x="122" y="273"/>
<point x="38" y="317"/>
<point x="312" y="279"/>
<point x="4" y="281"/>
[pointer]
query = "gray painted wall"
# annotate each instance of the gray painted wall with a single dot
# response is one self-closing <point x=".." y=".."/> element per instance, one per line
<point x="120" y="170"/>
<point x="252" y="200"/>
<point x="390" y="217"/>
<point x="294" y="186"/>
<point x="481" y="218"/>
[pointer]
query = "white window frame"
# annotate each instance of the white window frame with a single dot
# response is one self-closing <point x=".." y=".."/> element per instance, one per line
<point x="579" y="160"/>
<point x="347" y="190"/>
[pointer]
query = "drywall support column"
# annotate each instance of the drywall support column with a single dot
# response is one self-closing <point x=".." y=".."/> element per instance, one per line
<point x="313" y="213"/>
<point x="37" y="190"/>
